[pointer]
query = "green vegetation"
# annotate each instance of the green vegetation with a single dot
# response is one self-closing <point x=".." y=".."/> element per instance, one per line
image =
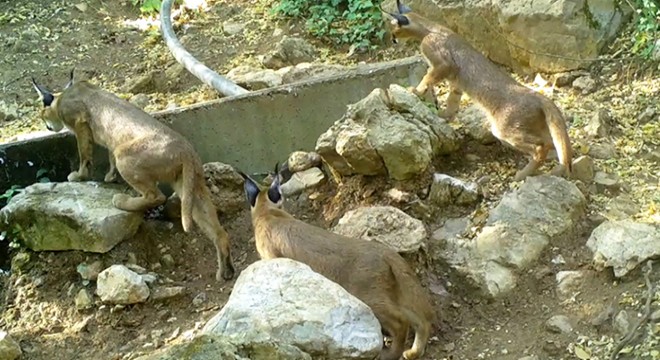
<point x="355" y="22"/>
<point x="647" y="26"/>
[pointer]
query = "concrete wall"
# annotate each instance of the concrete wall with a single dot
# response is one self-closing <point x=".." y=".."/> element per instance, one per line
<point x="250" y="131"/>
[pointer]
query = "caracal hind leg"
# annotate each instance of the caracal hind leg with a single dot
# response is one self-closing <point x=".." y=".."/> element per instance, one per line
<point x="538" y="158"/>
<point x="206" y="217"/>
<point x="141" y="181"/>
<point x="422" y="335"/>
<point x="392" y="321"/>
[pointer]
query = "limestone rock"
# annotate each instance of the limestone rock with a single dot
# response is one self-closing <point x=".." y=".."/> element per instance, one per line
<point x="583" y="169"/>
<point x="254" y="79"/>
<point x="289" y="51"/>
<point x="449" y="190"/>
<point x="283" y="301"/>
<point x="623" y="245"/>
<point x="9" y="348"/>
<point x="385" y="224"/>
<point x="475" y="124"/>
<point x="120" y="285"/>
<point x="83" y="300"/>
<point x="226" y="187"/>
<point x="389" y="131"/>
<point x="302" y="180"/>
<point x="517" y="230"/>
<point x="303" y="160"/>
<point x="69" y="216"/>
<point x="527" y="30"/>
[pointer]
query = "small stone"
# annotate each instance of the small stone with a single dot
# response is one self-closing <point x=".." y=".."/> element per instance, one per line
<point x="166" y="293"/>
<point x="81" y="6"/>
<point x="91" y="271"/>
<point x="398" y="195"/>
<point x="83" y="300"/>
<point x="20" y="263"/>
<point x="9" y="348"/>
<point x="648" y="115"/>
<point x="120" y="285"/>
<point x="585" y="84"/>
<point x="655" y="316"/>
<point x="569" y="282"/>
<point x="132" y="259"/>
<point x="233" y="28"/>
<point x="167" y="260"/>
<point x="607" y="181"/>
<point x="449" y="190"/>
<point x="303" y="180"/>
<point x="600" y="124"/>
<point x="603" y="151"/>
<point x="149" y="278"/>
<point x="621" y="322"/>
<point x="302" y="160"/>
<point x="531" y="357"/>
<point x="139" y="100"/>
<point x="583" y="169"/>
<point x="137" y="268"/>
<point x="199" y="299"/>
<point x="559" y="324"/>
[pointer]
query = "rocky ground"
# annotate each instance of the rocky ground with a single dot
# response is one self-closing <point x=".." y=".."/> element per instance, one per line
<point x="613" y="117"/>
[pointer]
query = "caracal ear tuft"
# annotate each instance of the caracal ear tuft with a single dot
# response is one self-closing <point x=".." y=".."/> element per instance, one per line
<point x="68" y="85"/>
<point x="274" y="191"/>
<point x="46" y="97"/>
<point x="402" y="7"/>
<point x="251" y="189"/>
<point x="401" y="20"/>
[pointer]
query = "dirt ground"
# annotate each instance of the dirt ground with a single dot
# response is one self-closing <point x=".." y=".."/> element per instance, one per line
<point x="47" y="38"/>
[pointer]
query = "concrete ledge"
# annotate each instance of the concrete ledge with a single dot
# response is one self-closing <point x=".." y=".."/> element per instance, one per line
<point x="250" y="131"/>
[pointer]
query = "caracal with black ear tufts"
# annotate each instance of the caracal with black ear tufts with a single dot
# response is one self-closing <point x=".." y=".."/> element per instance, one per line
<point x="518" y="116"/>
<point x="372" y="272"/>
<point x="142" y="150"/>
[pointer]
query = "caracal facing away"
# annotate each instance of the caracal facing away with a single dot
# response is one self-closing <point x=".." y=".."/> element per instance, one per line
<point x="143" y="150"/>
<point x="518" y="116"/>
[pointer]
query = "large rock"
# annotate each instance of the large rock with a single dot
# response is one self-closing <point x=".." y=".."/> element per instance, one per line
<point x="308" y="71"/>
<point x="69" y="216"/>
<point x="517" y="230"/>
<point x="390" y="131"/>
<point x="213" y="347"/>
<point x="9" y="348"/>
<point x="226" y="187"/>
<point x="517" y="33"/>
<point x="120" y="285"/>
<point x="384" y="224"/>
<point x="623" y="245"/>
<point x="283" y="301"/>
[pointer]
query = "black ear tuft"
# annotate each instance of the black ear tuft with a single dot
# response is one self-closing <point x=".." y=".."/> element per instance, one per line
<point x="70" y="80"/>
<point x="274" y="191"/>
<point x="401" y="20"/>
<point x="402" y="8"/>
<point x="251" y="189"/>
<point x="44" y="94"/>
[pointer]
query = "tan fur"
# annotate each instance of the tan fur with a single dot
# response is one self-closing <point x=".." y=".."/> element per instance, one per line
<point x="370" y="271"/>
<point x="518" y="116"/>
<point x="144" y="151"/>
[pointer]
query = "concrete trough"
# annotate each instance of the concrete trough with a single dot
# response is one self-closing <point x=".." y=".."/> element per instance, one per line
<point x="250" y="131"/>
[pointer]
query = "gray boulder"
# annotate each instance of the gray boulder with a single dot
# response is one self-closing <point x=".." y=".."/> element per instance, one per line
<point x="120" y="285"/>
<point x="517" y="33"/>
<point x="389" y="131"/>
<point x="9" y="348"/>
<point x="69" y="216"/>
<point x="450" y="190"/>
<point x="283" y="301"/>
<point x="623" y="245"/>
<point x="289" y="51"/>
<point x="517" y="230"/>
<point x="385" y="224"/>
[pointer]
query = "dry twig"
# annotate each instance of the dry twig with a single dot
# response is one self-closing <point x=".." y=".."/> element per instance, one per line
<point x="645" y="317"/>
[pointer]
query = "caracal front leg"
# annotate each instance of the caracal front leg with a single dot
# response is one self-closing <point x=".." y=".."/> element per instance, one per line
<point x="111" y="175"/>
<point x="85" y="142"/>
<point x="453" y="103"/>
<point x="433" y="75"/>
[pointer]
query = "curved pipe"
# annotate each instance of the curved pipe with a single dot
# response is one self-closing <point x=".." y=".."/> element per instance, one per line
<point x="201" y="71"/>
